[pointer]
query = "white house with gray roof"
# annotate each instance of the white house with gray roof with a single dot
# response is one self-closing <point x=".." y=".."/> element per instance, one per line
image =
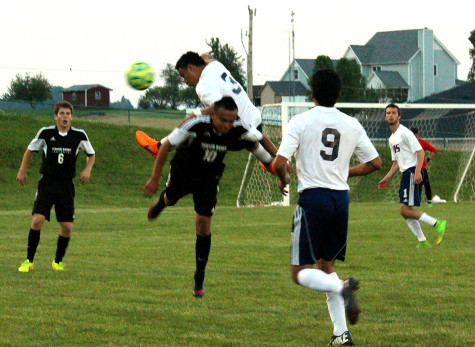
<point x="412" y="59"/>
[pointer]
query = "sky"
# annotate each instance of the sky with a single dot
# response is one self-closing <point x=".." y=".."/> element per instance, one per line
<point x="94" y="41"/>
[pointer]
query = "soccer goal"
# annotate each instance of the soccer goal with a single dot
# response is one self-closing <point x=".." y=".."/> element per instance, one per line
<point x="449" y="127"/>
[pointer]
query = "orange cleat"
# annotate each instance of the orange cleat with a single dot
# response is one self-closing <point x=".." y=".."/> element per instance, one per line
<point x="146" y="142"/>
<point x="269" y="168"/>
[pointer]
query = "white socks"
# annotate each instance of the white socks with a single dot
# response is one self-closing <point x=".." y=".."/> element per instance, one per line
<point x="426" y="219"/>
<point x="336" y="308"/>
<point x="320" y="281"/>
<point x="416" y="228"/>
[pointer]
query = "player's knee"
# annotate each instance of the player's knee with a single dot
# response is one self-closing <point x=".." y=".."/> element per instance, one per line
<point x="37" y="221"/>
<point x="65" y="229"/>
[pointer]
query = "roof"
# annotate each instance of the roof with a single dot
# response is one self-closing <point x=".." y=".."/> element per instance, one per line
<point x="391" y="79"/>
<point x="284" y="87"/>
<point x="388" y="47"/>
<point x="462" y="94"/>
<point x="307" y="65"/>
<point x="82" y="87"/>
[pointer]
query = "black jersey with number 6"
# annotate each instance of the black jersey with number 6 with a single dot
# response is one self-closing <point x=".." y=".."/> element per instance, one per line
<point x="200" y="150"/>
<point x="60" y="150"/>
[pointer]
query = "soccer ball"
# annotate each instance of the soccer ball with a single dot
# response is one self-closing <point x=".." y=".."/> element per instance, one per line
<point x="140" y="75"/>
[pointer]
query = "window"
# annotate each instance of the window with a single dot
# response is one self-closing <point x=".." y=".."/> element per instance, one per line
<point x="98" y="95"/>
<point x="435" y="70"/>
<point x="296" y="74"/>
<point x="74" y="96"/>
<point x="376" y="68"/>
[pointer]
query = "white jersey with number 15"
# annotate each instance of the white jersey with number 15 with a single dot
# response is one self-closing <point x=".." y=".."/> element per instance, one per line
<point x="216" y="81"/>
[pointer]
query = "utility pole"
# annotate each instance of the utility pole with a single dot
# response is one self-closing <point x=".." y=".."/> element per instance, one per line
<point x="252" y="13"/>
<point x="293" y="56"/>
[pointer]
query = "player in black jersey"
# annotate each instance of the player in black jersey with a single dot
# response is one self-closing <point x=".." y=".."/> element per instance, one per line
<point x="60" y="145"/>
<point x="196" y="168"/>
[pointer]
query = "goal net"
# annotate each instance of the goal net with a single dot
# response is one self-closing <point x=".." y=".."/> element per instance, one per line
<point x="449" y="127"/>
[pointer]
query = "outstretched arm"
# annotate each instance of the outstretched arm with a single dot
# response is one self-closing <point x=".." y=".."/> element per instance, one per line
<point x="151" y="187"/>
<point x="21" y="175"/>
<point x="366" y="168"/>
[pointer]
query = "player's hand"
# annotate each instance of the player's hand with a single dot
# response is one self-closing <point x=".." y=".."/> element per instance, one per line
<point x="383" y="184"/>
<point x="290" y="169"/>
<point x="417" y="177"/>
<point x="85" y="175"/>
<point x="151" y="187"/>
<point x="21" y="177"/>
<point x="283" y="185"/>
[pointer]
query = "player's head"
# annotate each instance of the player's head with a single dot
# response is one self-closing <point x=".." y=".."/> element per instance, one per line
<point x="392" y="114"/>
<point x="326" y="87"/>
<point x="63" y="114"/>
<point x="415" y="131"/>
<point x="189" y="66"/>
<point x="224" y="114"/>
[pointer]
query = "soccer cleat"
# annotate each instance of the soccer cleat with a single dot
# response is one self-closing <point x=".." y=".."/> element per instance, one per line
<point x="26" y="266"/>
<point x="350" y="285"/>
<point x="424" y="244"/>
<point x="344" y="339"/>
<point x="440" y="229"/>
<point x="146" y="142"/>
<point x="154" y="211"/>
<point x="198" y="287"/>
<point x="429" y="204"/>
<point x="57" y="266"/>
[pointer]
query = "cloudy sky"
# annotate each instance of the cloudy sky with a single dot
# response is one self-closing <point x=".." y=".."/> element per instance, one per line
<point x="94" y="41"/>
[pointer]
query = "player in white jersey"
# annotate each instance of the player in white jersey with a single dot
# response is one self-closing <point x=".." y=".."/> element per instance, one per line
<point x="323" y="140"/>
<point x="408" y="157"/>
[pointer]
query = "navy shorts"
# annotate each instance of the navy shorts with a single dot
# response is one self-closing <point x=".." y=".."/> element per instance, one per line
<point x="409" y="191"/>
<point x="58" y="193"/>
<point x="320" y="226"/>
<point x="204" y="190"/>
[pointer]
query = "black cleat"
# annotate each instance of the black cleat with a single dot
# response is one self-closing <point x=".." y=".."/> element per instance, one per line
<point x="350" y="285"/>
<point x="154" y="211"/>
<point x="344" y="339"/>
<point x="198" y="287"/>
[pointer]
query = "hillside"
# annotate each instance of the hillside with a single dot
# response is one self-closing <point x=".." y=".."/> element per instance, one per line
<point x="122" y="167"/>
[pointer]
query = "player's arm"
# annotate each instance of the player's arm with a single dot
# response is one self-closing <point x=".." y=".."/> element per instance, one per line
<point x="86" y="173"/>
<point x="21" y="175"/>
<point x="392" y="171"/>
<point x="280" y="164"/>
<point x="151" y="187"/>
<point x="363" y="169"/>
<point x="420" y="160"/>
<point x="432" y="150"/>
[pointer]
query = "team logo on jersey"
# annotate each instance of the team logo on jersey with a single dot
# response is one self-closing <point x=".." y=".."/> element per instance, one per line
<point x="207" y="134"/>
<point x="52" y="138"/>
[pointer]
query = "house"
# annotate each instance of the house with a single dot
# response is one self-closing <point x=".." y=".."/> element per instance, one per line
<point x="273" y="92"/>
<point x="417" y="60"/>
<point x="301" y="70"/>
<point x="256" y="95"/>
<point x="88" y="95"/>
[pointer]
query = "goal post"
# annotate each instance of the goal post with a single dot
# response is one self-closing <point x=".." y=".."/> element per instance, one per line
<point x="450" y="127"/>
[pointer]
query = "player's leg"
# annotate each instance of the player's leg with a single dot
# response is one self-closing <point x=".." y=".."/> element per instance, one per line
<point x="147" y="143"/>
<point x="41" y="211"/>
<point x="205" y="199"/>
<point x="64" y="208"/>
<point x="427" y="187"/>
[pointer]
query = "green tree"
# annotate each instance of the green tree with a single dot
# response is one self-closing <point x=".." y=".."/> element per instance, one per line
<point x="353" y="82"/>
<point x="173" y="84"/>
<point x="188" y="97"/>
<point x="323" y="62"/>
<point x="33" y="89"/>
<point x="229" y="58"/>
<point x="471" y="73"/>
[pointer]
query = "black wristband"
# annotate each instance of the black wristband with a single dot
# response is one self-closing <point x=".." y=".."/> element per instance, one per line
<point x="428" y="160"/>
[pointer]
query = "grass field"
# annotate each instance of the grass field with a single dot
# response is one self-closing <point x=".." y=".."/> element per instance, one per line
<point x="127" y="282"/>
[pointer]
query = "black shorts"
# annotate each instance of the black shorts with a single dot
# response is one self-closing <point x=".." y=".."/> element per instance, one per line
<point x="58" y="193"/>
<point x="203" y="189"/>
<point x="320" y="226"/>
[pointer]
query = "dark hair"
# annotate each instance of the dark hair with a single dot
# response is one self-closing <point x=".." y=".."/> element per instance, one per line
<point x="393" y="106"/>
<point x="326" y="87"/>
<point x="62" y="104"/>
<point x="227" y="103"/>
<point x="188" y="58"/>
<point x="415" y="130"/>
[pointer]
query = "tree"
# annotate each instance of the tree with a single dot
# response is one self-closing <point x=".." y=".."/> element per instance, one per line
<point x="189" y="98"/>
<point x="229" y="58"/>
<point x="323" y="62"/>
<point x="471" y="73"/>
<point x="32" y="89"/>
<point x="352" y="81"/>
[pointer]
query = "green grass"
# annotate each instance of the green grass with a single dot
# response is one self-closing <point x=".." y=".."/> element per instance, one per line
<point x="127" y="282"/>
